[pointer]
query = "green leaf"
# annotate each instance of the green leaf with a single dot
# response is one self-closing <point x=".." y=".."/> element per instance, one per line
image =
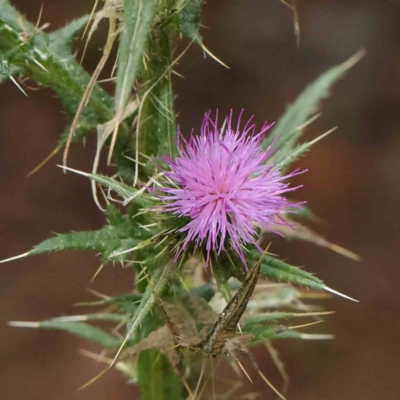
<point x="60" y="41"/>
<point x="304" y="233"/>
<point x="271" y="332"/>
<point x="127" y="192"/>
<point x="116" y="242"/>
<point x="281" y="297"/>
<point x="261" y="333"/>
<point x="278" y="315"/>
<point x="109" y="240"/>
<point x="47" y="60"/>
<point x="80" y="329"/>
<point x="156" y="287"/>
<point x="136" y="27"/>
<point x="272" y="316"/>
<point x="189" y="20"/>
<point x="278" y="270"/>
<point x="10" y="15"/>
<point x="156" y="377"/>
<point x="290" y="126"/>
<point x="106" y="241"/>
<point x="293" y="334"/>
<point x="300" y="150"/>
<point x="127" y="303"/>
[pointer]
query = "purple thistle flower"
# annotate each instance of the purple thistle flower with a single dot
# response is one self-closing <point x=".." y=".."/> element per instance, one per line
<point x="220" y="179"/>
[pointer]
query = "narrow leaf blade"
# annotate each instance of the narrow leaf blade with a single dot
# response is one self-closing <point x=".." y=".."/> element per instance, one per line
<point x="290" y="126"/>
<point x="156" y="287"/>
<point x="190" y="20"/>
<point x="80" y="329"/>
<point x="278" y="270"/>
<point x="137" y="22"/>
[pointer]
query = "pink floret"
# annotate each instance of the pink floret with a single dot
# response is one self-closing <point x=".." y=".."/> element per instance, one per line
<point x="223" y="182"/>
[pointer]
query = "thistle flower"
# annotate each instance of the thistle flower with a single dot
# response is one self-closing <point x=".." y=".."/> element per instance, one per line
<point x="221" y="180"/>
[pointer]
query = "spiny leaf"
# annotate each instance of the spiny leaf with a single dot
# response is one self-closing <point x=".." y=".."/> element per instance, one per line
<point x="278" y="270"/>
<point x="8" y="72"/>
<point x="10" y="15"/>
<point x="301" y="149"/>
<point x="272" y="316"/>
<point x="271" y="332"/>
<point x="46" y="60"/>
<point x="160" y="339"/>
<point x="293" y="334"/>
<point x="279" y="297"/>
<point x="127" y="303"/>
<point x="156" y="287"/>
<point x="302" y="232"/>
<point x="189" y="20"/>
<point x="136" y="26"/>
<point x="189" y="24"/>
<point x="261" y="333"/>
<point x="128" y="193"/>
<point x="110" y="241"/>
<point x="107" y="49"/>
<point x="158" y="283"/>
<point x="278" y="315"/>
<point x="81" y="329"/>
<point x="290" y="126"/>
<point x="107" y="241"/>
<point x="60" y="41"/>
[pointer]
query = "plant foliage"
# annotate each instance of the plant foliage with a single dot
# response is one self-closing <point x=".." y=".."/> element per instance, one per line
<point x="171" y="321"/>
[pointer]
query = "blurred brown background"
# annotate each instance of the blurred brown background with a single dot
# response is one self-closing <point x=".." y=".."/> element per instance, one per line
<point x="353" y="185"/>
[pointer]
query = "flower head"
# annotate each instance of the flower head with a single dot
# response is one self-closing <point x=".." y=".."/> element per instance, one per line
<point x="221" y="180"/>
